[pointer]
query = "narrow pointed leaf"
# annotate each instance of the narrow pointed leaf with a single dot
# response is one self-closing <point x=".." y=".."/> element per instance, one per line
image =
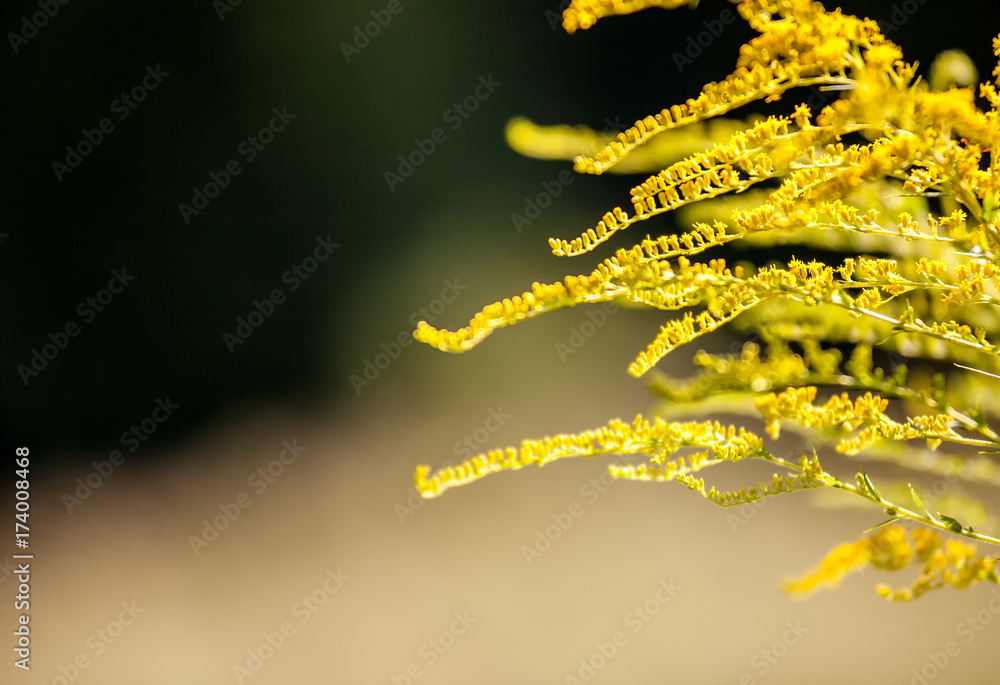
<point x="879" y="525"/>
<point x="920" y="504"/>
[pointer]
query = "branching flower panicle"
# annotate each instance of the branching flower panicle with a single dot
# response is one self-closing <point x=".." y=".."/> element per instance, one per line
<point x="887" y="347"/>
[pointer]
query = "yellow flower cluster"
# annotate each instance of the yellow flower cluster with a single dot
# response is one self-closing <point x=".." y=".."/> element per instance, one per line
<point x="886" y="549"/>
<point x="845" y="415"/>
<point x="542" y="298"/>
<point x="658" y="439"/>
<point x="890" y="193"/>
<point x="809" y="476"/>
<point x="944" y="562"/>
<point x="582" y="14"/>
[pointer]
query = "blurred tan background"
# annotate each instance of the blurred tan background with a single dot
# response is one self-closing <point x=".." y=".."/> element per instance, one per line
<point x="397" y="569"/>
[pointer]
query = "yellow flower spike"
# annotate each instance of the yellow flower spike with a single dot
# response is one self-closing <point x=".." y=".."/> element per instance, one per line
<point x="835" y="566"/>
<point x="569" y="142"/>
<point x="954" y="563"/>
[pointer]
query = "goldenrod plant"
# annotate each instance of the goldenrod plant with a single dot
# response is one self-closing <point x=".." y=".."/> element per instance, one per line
<point x="886" y="350"/>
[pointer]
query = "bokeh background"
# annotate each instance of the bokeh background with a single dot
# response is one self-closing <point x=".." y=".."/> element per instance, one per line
<point x="344" y="506"/>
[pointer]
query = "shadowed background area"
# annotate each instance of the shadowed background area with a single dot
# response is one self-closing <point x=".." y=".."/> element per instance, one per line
<point x="208" y="268"/>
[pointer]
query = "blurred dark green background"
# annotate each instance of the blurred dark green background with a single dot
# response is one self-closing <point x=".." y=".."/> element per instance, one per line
<point x="323" y="175"/>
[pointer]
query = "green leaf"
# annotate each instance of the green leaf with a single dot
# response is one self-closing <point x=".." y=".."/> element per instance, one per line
<point x="978" y="415"/>
<point x="919" y="503"/>
<point x="879" y="525"/>
<point x="868" y="484"/>
<point x="952" y="524"/>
